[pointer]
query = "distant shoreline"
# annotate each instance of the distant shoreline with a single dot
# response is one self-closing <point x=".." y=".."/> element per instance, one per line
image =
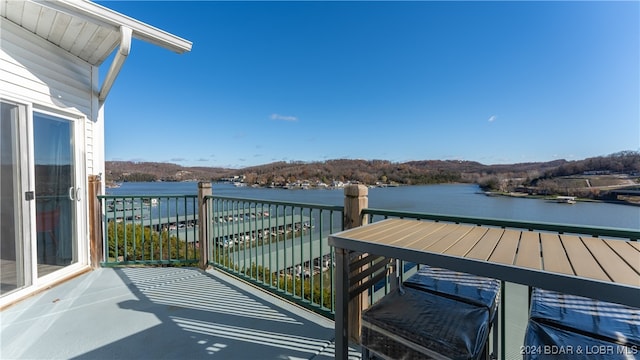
<point x="551" y="198"/>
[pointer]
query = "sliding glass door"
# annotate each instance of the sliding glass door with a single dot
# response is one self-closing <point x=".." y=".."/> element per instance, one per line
<point x="40" y="200"/>
<point x="14" y="269"/>
<point x="56" y="193"/>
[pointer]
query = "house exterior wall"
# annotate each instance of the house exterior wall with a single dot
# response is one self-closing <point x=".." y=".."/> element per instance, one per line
<point x="40" y="73"/>
<point x="43" y="77"/>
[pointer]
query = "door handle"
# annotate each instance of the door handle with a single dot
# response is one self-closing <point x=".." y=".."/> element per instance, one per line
<point x="74" y="194"/>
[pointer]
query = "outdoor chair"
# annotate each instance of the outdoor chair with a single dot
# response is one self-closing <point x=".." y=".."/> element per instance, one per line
<point x="435" y="314"/>
<point x="575" y="327"/>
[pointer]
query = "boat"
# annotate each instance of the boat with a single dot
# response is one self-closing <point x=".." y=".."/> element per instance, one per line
<point x="565" y="199"/>
<point x="150" y="201"/>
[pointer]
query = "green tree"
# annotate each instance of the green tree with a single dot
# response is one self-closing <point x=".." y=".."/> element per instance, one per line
<point x="134" y="242"/>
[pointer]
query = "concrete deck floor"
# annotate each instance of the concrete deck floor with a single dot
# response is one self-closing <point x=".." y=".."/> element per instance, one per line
<point x="161" y="313"/>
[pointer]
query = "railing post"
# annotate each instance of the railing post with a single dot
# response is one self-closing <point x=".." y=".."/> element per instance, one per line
<point x="204" y="189"/>
<point x="355" y="200"/>
<point x="95" y="221"/>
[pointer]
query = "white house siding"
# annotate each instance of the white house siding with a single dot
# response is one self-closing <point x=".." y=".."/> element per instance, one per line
<point x="95" y="140"/>
<point x="39" y="72"/>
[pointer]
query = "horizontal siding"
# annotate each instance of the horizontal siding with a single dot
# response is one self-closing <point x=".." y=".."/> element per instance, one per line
<point x="32" y="67"/>
<point x="89" y="141"/>
<point x="35" y="69"/>
<point x="69" y="65"/>
<point x="41" y="93"/>
<point x="39" y="72"/>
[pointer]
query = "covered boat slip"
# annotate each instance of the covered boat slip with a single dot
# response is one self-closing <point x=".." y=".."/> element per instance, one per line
<point x="226" y="228"/>
<point x="186" y="228"/>
<point x="286" y="256"/>
<point x="605" y="269"/>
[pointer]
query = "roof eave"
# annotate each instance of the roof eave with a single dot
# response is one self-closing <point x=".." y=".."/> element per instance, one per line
<point x="97" y="13"/>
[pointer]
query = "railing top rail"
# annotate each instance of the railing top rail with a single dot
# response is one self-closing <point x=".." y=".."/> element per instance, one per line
<point x="559" y="228"/>
<point x="275" y="202"/>
<point x="147" y="196"/>
<point x="555" y="227"/>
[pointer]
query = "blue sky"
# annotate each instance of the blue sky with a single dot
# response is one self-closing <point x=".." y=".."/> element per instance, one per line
<point x="493" y="82"/>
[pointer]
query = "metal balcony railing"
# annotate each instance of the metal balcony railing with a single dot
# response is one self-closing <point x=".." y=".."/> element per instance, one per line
<point x="279" y="246"/>
<point x="150" y="230"/>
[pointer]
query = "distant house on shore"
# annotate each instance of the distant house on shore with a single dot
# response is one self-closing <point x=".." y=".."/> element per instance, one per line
<point x="52" y="131"/>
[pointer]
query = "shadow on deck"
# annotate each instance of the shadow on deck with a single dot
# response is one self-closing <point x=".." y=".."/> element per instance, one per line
<point x="169" y="313"/>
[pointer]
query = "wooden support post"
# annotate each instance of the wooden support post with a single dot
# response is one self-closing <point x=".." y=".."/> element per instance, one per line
<point x="204" y="189"/>
<point x="95" y="221"/>
<point x="355" y="200"/>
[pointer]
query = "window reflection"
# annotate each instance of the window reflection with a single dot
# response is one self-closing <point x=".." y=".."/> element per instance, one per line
<point x="54" y="169"/>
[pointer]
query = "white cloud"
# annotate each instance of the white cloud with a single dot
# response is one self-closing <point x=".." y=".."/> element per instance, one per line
<point x="492" y="118"/>
<point x="283" y="117"/>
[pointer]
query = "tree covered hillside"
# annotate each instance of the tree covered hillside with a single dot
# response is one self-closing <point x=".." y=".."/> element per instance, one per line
<point x="499" y="177"/>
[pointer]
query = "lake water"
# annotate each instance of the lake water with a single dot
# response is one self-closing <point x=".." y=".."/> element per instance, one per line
<point x="446" y="199"/>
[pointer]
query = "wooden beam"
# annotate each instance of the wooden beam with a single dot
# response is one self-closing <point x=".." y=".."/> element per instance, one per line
<point x="95" y="221"/>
